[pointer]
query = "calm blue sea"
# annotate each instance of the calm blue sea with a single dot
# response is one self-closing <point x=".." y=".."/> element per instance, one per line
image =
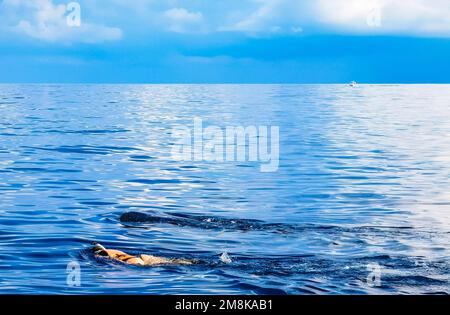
<point x="360" y="203"/>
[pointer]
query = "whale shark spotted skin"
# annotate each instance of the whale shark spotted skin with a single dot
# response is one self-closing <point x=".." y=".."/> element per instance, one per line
<point x="246" y="225"/>
<point x="192" y="220"/>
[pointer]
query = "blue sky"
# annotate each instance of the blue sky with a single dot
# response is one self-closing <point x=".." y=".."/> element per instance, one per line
<point x="228" y="41"/>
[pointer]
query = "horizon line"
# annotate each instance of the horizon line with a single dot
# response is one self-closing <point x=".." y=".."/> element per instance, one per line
<point x="220" y="83"/>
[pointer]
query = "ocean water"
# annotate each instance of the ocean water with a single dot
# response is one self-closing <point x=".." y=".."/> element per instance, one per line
<point x="360" y="203"/>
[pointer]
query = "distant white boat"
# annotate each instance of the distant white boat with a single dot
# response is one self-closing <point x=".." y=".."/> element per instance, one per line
<point x="353" y="84"/>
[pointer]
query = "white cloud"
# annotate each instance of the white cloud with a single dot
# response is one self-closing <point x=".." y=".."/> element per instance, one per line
<point x="390" y="17"/>
<point x="270" y="16"/>
<point x="257" y="20"/>
<point x="43" y="20"/>
<point x="183" y="21"/>
<point x="414" y="17"/>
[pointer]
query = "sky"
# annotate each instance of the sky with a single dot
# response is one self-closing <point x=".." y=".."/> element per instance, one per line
<point x="225" y="41"/>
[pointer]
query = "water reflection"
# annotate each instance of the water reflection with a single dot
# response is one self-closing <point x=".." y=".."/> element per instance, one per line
<point x="363" y="179"/>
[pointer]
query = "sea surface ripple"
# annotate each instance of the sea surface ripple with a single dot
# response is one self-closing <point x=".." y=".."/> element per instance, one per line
<point x="363" y="181"/>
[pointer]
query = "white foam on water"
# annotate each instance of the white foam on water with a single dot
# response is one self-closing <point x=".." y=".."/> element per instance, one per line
<point x="225" y="258"/>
